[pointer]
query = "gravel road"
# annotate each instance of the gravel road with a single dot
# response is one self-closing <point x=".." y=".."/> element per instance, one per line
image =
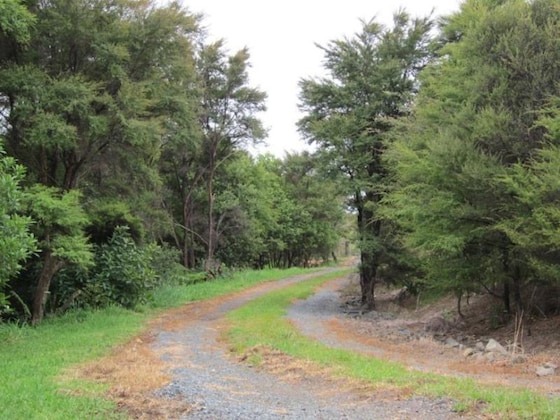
<point x="218" y="387"/>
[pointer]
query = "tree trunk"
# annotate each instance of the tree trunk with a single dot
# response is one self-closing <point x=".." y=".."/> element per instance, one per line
<point x="507" y="306"/>
<point x="369" y="231"/>
<point x="51" y="265"/>
<point x="506" y="292"/>
<point x="516" y="282"/>
<point x="210" y="250"/>
<point x="209" y="187"/>
<point x="186" y="233"/>
<point x="367" y="279"/>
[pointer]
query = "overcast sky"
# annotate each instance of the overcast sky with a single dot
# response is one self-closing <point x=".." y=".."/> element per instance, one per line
<point x="281" y="37"/>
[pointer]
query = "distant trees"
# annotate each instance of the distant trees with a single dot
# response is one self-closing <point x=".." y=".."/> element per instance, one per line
<point x="227" y="118"/>
<point x="124" y="132"/>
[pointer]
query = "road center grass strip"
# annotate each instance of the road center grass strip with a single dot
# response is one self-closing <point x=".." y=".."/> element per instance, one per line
<point x="262" y="323"/>
<point x="32" y="360"/>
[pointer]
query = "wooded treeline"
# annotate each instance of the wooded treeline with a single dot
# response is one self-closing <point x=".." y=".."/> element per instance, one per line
<point x="446" y="135"/>
<point x="124" y="164"/>
<point x="123" y="134"/>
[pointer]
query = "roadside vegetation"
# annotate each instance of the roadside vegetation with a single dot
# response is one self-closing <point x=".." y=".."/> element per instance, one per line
<point x="262" y="324"/>
<point x="125" y="174"/>
<point x="34" y="361"/>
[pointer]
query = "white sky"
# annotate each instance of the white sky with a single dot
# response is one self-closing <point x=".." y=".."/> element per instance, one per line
<point x="281" y="37"/>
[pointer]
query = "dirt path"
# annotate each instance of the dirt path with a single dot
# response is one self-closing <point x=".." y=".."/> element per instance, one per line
<point x="321" y="317"/>
<point x="180" y="369"/>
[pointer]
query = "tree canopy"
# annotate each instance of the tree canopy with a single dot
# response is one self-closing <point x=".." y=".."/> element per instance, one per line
<point x="124" y="159"/>
<point x="125" y="133"/>
<point x="472" y="170"/>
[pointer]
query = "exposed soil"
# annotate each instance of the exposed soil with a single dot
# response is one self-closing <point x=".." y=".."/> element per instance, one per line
<point x="179" y="368"/>
<point x="419" y="336"/>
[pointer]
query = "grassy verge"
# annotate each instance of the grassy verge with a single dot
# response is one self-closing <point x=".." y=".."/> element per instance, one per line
<point x="32" y="360"/>
<point x="261" y="322"/>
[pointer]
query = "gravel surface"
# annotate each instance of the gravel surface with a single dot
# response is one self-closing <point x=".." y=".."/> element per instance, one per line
<point x="218" y="387"/>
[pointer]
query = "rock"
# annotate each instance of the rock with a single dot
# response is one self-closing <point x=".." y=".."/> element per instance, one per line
<point x="451" y="342"/>
<point x="437" y="325"/>
<point x="550" y="365"/>
<point x="494" y="347"/>
<point x="468" y="352"/>
<point x="480" y="346"/>
<point x="545" y="371"/>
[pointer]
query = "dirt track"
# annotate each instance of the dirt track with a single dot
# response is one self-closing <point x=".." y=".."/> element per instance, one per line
<point x="181" y="369"/>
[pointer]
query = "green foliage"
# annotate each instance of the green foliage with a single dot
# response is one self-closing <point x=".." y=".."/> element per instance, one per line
<point x="276" y="213"/>
<point x="351" y="114"/>
<point x="106" y="216"/>
<point x="15" y="21"/>
<point x="59" y="221"/>
<point x="474" y="192"/>
<point x="535" y="221"/>
<point x="165" y="261"/>
<point x="16" y="241"/>
<point x="123" y="273"/>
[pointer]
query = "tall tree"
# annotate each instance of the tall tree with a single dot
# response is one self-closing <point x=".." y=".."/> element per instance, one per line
<point x="16" y="242"/>
<point x="228" y="117"/>
<point x="59" y="226"/>
<point x="371" y="78"/>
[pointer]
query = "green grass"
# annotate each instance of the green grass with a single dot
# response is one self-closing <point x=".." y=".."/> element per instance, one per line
<point x="262" y="322"/>
<point x="32" y="360"/>
<point x="172" y="296"/>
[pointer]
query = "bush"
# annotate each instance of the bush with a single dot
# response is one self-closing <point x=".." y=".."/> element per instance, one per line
<point x="123" y="271"/>
<point x="165" y="262"/>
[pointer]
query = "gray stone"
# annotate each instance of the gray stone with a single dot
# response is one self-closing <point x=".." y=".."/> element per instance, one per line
<point x="468" y="352"/>
<point x="480" y="346"/>
<point x="545" y="371"/>
<point x="494" y="347"/>
<point x="490" y="357"/>
<point x="451" y="342"/>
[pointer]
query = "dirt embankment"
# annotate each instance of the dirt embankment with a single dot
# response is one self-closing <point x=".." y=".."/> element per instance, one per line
<point x="434" y="338"/>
